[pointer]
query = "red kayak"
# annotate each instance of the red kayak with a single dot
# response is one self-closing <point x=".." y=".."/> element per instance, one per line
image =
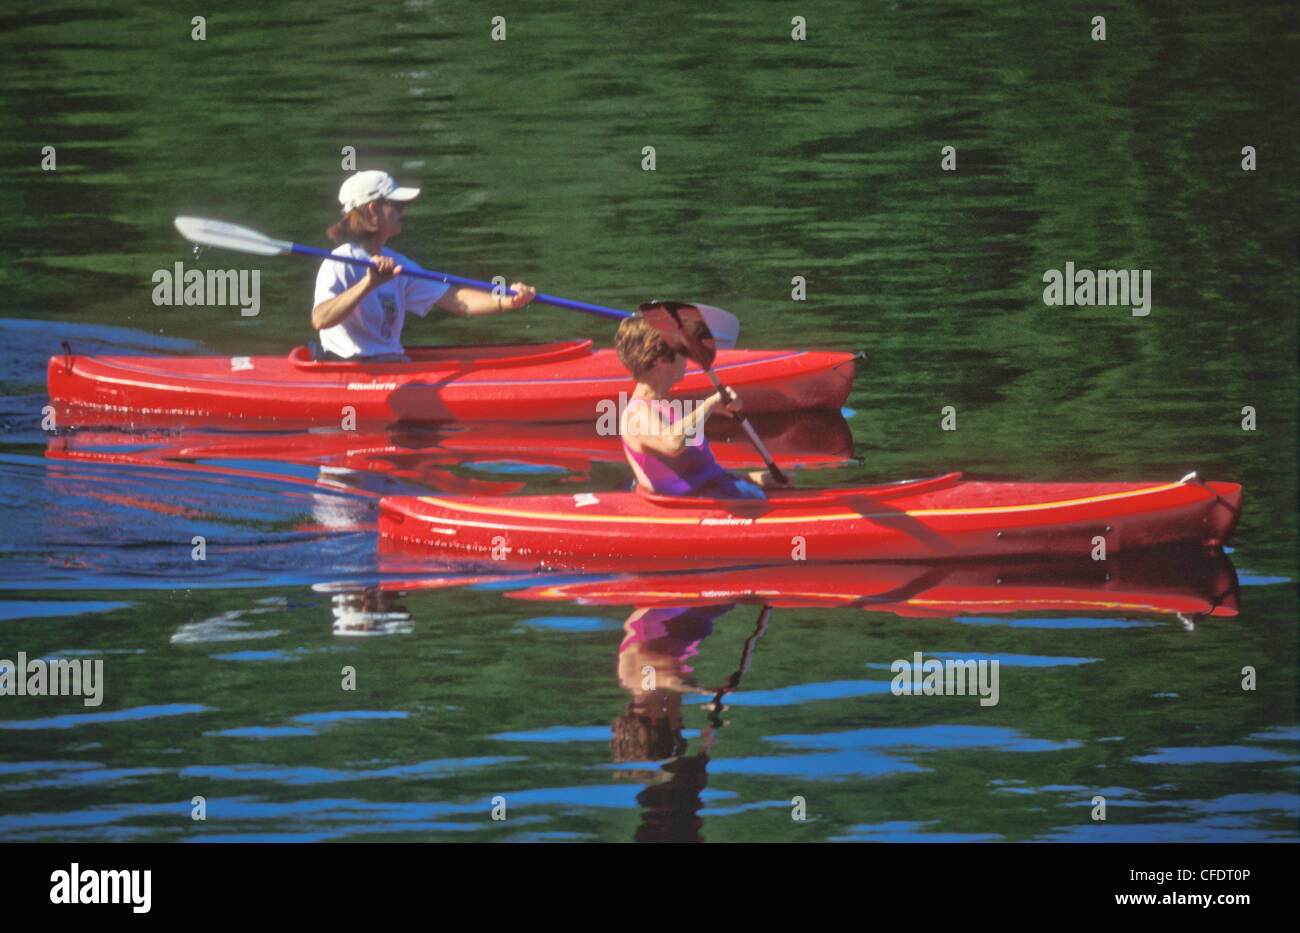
<point x="1185" y="582"/>
<point x="944" y="517"/>
<point x="516" y="382"/>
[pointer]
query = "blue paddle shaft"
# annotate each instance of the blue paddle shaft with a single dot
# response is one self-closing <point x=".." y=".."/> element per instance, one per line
<point x="472" y="283"/>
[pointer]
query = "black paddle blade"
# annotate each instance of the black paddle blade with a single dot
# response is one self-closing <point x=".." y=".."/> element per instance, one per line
<point x="683" y="328"/>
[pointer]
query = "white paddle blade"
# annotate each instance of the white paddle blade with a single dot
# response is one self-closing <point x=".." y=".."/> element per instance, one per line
<point x="230" y="236"/>
<point x="724" y="326"/>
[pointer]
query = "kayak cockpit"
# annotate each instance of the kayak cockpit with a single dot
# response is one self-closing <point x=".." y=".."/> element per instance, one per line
<point x="496" y="355"/>
<point x="797" y="497"/>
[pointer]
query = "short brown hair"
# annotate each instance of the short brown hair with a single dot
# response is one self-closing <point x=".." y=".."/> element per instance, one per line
<point x="640" y="346"/>
<point x="358" y="222"/>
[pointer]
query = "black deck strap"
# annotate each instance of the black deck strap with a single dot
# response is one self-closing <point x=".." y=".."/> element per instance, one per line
<point x="860" y="355"/>
<point x="1194" y="619"/>
<point x="67" y="358"/>
<point x="1236" y="512"/>
<point x="1217" y="601"/>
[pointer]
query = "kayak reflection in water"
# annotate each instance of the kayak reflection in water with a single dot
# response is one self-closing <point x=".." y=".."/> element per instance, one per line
<point x="652" y="668"/>
<point x="664" y="441"/>
<point x="359" y="313"/>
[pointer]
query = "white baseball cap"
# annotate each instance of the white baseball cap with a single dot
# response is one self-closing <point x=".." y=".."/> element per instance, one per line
<point x="364" y="187"/>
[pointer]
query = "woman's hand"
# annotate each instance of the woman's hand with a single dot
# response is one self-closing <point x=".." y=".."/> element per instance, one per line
<point x="523" y="294"/>
<point x="471" y="302"/>
<point x="382" y="272"/>
<point x="334" y="310"/>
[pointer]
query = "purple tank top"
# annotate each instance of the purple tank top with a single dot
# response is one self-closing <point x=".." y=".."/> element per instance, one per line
<point x="682" y="475"/>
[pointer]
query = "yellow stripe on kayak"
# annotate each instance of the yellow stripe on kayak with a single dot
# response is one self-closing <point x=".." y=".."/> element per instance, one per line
<point x="773" y="519"/>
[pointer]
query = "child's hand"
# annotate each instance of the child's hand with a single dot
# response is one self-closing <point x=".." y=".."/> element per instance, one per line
<point x="765" y="479"/>
<point x="730" y="401"/>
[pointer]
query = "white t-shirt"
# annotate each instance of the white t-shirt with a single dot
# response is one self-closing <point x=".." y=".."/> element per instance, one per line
<point x="375" y="324"/>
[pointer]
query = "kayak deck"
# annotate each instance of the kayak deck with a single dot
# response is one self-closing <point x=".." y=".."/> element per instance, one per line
<point x="942" y="517"/>
<point x="562" y="381"/>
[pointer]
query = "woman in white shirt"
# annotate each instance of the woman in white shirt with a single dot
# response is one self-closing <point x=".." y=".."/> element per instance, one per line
<point x="359" y="311"/>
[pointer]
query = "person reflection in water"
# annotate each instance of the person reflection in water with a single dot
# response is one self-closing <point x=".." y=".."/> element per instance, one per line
<point x="369" y="610"/>
<point x="653" y="667"/>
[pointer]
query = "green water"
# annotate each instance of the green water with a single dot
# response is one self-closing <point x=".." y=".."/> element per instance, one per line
<point x="774" y="159"/>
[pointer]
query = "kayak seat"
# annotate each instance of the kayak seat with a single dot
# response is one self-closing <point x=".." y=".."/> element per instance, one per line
<point x="319" y="354"/>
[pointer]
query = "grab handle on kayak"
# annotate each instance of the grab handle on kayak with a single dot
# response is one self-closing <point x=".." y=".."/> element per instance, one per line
<point x="67" y="358"/>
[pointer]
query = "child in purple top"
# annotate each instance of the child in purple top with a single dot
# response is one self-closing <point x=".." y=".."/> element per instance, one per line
<point x="667" y="450"/>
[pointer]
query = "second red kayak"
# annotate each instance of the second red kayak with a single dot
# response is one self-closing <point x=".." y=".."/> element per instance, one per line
<point x="565" y="381"/>
<point x="944" y="517"/>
